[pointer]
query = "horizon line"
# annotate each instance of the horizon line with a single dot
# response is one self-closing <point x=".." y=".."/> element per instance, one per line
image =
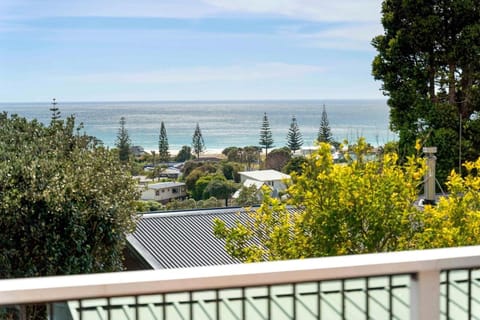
<point x="199" y="100"/>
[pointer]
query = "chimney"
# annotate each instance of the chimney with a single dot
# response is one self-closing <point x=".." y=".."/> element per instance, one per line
<point x="430" y="175"/>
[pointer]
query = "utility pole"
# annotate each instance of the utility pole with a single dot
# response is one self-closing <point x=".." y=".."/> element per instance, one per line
<point x="430" y="175"/>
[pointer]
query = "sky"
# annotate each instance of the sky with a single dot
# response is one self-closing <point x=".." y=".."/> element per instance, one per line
<point x="154" y="50"/>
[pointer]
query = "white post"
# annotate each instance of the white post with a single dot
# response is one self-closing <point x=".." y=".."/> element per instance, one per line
<point x="425" y="295"/>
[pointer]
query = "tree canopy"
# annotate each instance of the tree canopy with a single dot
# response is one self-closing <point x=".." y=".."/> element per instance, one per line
<point x="294" y="136"/>
<point x="324" y="132"/>
<point x="123" y="142"/>
<point x="66" y="204"/>
<point x="428" y="61"/>
<point x="198" y="144"/>
<point x="266" y="137"/>
<point x="163" y="151"/>
<point x="362" y="206"/>
<point x="184" y="154"/>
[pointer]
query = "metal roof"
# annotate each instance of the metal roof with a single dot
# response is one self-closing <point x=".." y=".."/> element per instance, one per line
<point x="184" y="238"/>
<point x="163" y="185"/>
<point x="265" y="175"/>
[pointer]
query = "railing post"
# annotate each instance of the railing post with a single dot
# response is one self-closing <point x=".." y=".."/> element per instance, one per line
<point x="425" y="295"/>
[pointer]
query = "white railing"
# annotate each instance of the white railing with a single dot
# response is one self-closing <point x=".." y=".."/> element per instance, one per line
<point x="424" y="266"/>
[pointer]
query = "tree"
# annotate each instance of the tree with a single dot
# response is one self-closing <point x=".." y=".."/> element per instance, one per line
<point x="266" y="138"/>
<point x="198" y="144"/>
<point x="55" y="111"/>
<point x="66" y="204"/>
<point x="163" y="153"/>
<point x="294" y="136"/>
<point x="251" y="154"/>
<point x="324" y="133"/>
<point x="184" y="154"/>
<point x="455" y="221"/>
<point x="295" y="164"/>
<point x="278" y="158"/>
<point x="428" y="63"/>
<point x="247" y="196"/>
<point x="362" y="206"/>
<point x="123" y="142"/>
<point x="220" y="188"/>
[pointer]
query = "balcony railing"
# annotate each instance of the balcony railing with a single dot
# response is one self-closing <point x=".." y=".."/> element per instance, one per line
<point x="427" y="284"/>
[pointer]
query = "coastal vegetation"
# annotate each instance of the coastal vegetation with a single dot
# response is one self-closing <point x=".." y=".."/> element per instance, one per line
<point x="428" y="63"/>
<point x="266" y="137"/>
<point x="163" y="151"/>
<point x="357" y="207"/>
<point x="198" y="143"/>
<point x="324" y="132"/>
<point x="123" y="142"/>
<point x="294" y="136"/>
<point x="66" y="202"/>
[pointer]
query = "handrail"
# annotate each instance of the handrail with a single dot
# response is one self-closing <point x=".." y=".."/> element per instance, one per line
<point x="61" y="288"/>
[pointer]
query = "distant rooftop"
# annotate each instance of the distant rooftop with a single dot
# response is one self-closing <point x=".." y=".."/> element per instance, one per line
<point x="265" y="175"/>
<point x="163" y="185"/>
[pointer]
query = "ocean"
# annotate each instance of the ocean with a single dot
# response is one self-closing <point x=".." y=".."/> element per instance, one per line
<point x="223" y="123"/>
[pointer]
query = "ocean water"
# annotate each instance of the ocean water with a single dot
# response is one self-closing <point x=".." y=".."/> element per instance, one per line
<point x="223" y="123"/>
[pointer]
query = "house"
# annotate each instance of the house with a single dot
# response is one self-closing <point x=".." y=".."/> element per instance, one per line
<point x="180" y="239"/>
<point x="164" y="191"/>
<point x="275" y="180"/>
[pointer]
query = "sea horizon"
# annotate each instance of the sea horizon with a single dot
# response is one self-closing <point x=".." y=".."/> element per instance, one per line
<point x="224" y="123"/>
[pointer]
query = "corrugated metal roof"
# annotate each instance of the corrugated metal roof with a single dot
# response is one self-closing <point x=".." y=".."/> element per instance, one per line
<point x="184" y="239"/>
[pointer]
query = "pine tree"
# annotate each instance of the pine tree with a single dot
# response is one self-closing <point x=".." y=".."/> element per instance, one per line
<point x="266" y="138"/>
<point x="198" y="144"/>
<point x="324" y="133"/>
<point x="55" y="111"/>
<point x="123" y="142"/>
<point x="163" y="153"/>
<point x="294" y="136"/>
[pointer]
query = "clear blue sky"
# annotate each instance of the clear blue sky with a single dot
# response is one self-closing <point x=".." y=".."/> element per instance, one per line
<point x="116" y="50"/>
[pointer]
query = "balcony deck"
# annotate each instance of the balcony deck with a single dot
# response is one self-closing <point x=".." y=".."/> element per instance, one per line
<point x="426" y="284"/>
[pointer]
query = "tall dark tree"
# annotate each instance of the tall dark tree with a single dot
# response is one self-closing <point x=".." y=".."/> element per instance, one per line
<point x="266" y="137"/>
<point x="294" y="136"/>
<point x="324" y="133"/>
<point x="198" y="144"/>
<point x="163" y="153"/>
<point x="184" y="154"/>
<point x="428" y="60"/>
<point x="55" y="110"/>
<point x="123" y="142"/>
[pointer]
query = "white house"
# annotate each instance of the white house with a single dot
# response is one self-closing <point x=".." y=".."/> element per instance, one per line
<point x="274" y="179"/>
<point x="164" y="191"/>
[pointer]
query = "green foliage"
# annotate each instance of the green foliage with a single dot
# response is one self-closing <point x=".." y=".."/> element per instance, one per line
<point x="184" y="154"/>
<point x="66" y="204"/>
<point x="428" y="63"/>
<point x="362" y="206"/>
<point x="123" y="142"/>
<point x="220" y="188"/>
<point x="233" y="154"/>
<point x="266" y="137"/>
<point x="294" y="136"/>
<point x="455" y="221"/>
<point x="198" y="144"/>
<point x="146" y="206"/>
<point x="198" y="192"/>
<point x="247" y="196"/>
<point x="278" y="158"/>
<point x="324" y="132"/>
<point x="163" y="153"/>
<point x="295" y="164"/>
